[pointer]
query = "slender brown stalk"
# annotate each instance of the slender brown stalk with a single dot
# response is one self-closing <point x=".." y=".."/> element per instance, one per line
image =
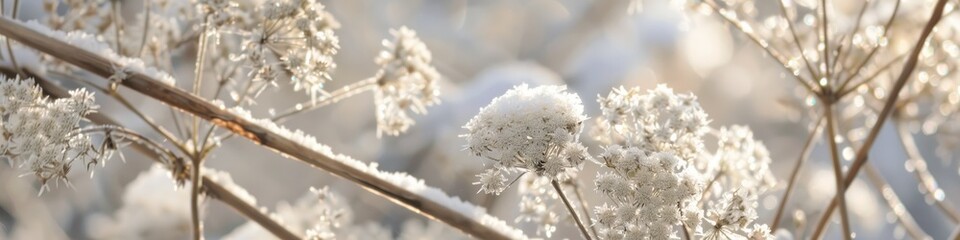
<point x="863" y="62"/>
<point x="926" y="179"/>
<point x="814" y="72"/>
<point x="825" y="27"/>
<point x="255" y="132"/>
<point x="861" y="156"/>
<point x="13" y="59"/>
<point x="758" y="41"/>
<point x="837" y="168"/>
<point x="570" y="208"/>
<point x="896" y="207"/>
<point x="794" y="174"/>
<point x="211" y="188"/>
<point x="584" y="206"/>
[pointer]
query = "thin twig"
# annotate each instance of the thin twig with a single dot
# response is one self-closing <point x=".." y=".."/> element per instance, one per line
<point x="759" y="42"/>
<point x="896" y="206"/>
<point x="13" y="59"/>
<point x="429" y="206"/>
<point x="926" y="179"/>
<point x="814" y="72"/>
<point x="584" y="206"/>
<point x="573" y="212"/>
<point x="146" y="27"/>
<point x="794" y="174"/>
<point x="212" y="188"/>
<point x="837" y="167"/>
<point x="861" y="156"/>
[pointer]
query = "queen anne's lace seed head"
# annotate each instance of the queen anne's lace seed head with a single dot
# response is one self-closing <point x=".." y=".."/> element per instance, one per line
<point x="652" y="139"/>
<point x="45" y="134"/>
<point x="298" y="33"/>
<point x="657" y="120"/>
<point x="742" y="160"/>
<point x="731" y="214"/>
<point x="532" y="130"/>
<point x="405" y="81"/>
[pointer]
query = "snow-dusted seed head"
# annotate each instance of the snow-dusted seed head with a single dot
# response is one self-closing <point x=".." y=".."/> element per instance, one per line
<point x="528" y="130"/>
<point x="657" y="120"/>
<point x="405" y="81"/>
<point x="652" y="194"/>
<point x="44" y="134"/>
<point x="299" y="34"/>
<point x="742" y="160"/>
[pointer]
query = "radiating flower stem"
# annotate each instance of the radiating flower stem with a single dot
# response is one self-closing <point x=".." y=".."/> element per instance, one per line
<point x="837" y="167"/>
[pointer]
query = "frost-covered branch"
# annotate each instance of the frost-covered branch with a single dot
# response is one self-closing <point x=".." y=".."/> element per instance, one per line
<point x="399" y="187"/>
<point x="211" y="188"/>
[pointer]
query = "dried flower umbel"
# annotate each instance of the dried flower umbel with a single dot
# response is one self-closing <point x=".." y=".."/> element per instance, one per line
<point x="529" y="130"/>
<point x="406" y="81"/>
<point x="45" y="133"/>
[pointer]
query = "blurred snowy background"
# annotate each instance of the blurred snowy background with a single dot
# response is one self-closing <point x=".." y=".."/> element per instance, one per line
<point x="483" y="48"/>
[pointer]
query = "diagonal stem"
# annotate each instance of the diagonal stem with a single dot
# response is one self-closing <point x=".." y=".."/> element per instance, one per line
<point x="837" y="167"/>
<point x="410" y="193"/>
<point x="573" y="212"/>
<point x="211" y="188"/>
<point x="861" y="156"/>
<point x="926" y="179"/>
<point x="794" y="174"/>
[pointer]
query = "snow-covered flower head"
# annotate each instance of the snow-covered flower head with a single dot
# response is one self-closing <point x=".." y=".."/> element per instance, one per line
<point x="657" y="120"/>
<point x="530" y="130"/>
<point x="42" y="133"/>
<point x="405" y="81"/>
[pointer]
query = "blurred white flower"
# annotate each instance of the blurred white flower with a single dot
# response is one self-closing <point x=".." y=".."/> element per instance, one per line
<point x="741" y="160"/>
<point x="154" y="207"/>
<point x="405" y="81"/>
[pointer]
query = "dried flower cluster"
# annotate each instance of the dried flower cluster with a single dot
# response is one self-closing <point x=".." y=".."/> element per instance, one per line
<point x="653" y="140"/>
<point x="533" y="130"/>
<point x="406" y="81"/>
<point x="297" y="35"/>
<point x="44" y="133"/>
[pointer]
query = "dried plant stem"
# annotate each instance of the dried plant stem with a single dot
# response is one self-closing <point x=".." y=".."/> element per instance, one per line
<point x="335" y="96"/>
<point x="837" y="168"/>
<point x="571" y="209"/>
<point x="583" y="206"/>
<point x="863" y="62"/>
<point x="825" y="26"/>
<point x="13" y="59"/>
<point x="814" y="72"/>
<point x="197" y="158"/>
<point x="926" y="179"/>
<point x="115" y="17"/>
<point x="896" y="207"/>
<point x="146" y="27"/>
<point x="795" y="172"/>
<point x="861" y="156"/>
<point x="195" y="105"/>
<point x="759" y="42"/>
<point x="211" y="188"/>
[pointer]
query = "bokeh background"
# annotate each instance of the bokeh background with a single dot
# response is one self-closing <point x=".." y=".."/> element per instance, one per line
<point x="483" y="48"/>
